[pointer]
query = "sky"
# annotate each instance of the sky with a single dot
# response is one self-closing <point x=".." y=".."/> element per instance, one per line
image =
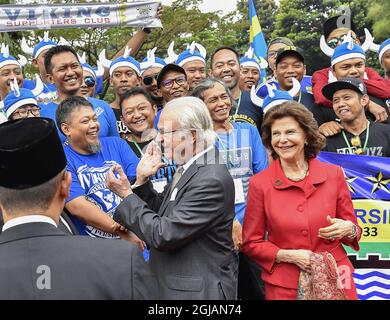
<point x="212" y="5"/>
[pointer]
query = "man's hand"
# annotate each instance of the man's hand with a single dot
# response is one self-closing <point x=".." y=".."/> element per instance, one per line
<point x="160" y="11"/>
<point x="330" y="128"/>
<point x="130" y="236"/>
<point x="237" y="235"/>
<point x="377" y="111"/>
<point x="149" y="164"/>
<point x="121" y="185"/>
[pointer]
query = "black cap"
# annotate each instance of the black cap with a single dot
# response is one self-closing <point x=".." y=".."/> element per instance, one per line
<point x="289" y="51"/>
<point x="355" y="84"/>
<point x="340" y="21"/>
<point x="167" y="68"/>
<point x="31" y="153"/>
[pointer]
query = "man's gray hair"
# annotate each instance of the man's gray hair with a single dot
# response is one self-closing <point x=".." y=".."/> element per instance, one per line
<point x="192" y="113"/>
<point x="209" y="83"/>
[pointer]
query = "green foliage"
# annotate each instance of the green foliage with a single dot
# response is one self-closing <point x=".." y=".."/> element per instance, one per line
<point x="379" y="13"/>
<point x="300" y="20"/>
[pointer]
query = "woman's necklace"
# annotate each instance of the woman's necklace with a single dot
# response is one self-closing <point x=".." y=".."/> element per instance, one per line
<point x="301" y="176"/>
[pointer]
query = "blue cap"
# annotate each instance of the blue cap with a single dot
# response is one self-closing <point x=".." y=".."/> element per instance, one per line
<point x="347" y="50"/>
<point x="18" y="98"/>
<point x="249" y="60"/>
<point x="151" y="61"/>
<point x="191" y="54"/>
<point x="383" y="48"/>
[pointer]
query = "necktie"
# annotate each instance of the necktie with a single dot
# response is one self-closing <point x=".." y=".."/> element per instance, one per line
<point x="176" y="177"/>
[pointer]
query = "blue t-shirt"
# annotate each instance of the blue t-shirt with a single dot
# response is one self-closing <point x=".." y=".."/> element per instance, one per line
<point x="89" y="174"/>
<point x="244" y="155"/>
<point x="106" y="117"/>
<point x="48" y="94"/>
<point x="306" y="86"/>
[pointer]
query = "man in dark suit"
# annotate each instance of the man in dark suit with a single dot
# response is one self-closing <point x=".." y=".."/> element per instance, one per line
<point x="189" y="226"/>
<point x="38" y="261"/>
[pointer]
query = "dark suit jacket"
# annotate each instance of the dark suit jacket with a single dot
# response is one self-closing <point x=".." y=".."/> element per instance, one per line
<point x="190" y="236"/>
<point x="38" y="261"/>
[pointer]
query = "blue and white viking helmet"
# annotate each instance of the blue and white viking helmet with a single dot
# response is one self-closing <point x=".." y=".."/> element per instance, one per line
<point x="125" y="61"/>
<point x="381" y="49"/>
<point x="7" y="59"/>
<point x="43" y="44"/>
<point x="275" y="96"/>
<point x="348" y="48"/>
<point x="249" y="60"/>
<point x="95" y="73"/>
<point x="151" y="61"/>
<point x="19" y="97"/>
<point x="190" y="54"/>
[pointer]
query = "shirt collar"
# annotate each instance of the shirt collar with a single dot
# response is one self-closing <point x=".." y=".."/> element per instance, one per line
<point x="28" y="219"/>
<point x="196" y="157"/>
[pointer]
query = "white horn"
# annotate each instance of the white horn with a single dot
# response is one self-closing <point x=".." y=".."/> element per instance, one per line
<point x="26" y="48"/>
<point x="102" y="58"/>
<point x="14" y="87"/>
<point x="263" y="63"/>
<point x="64" y="42"/>
<point x="295" y="89"/>
<point x="255" y="98"/>
<point x="46" y="36"/>
<point x="38" y="86"/>
<point x="368" y="41"/>
<point x="82" y="58"/>
<point x="331" y="77"/>
<point x="127" y="52"/>
<point x="375" y="47"/>
<point x="100" y="69"/>
<point x="22" y="60"/>
<point x="202" y="50"/>
<point x="271" y="88"/>
<point x="5" y="50"/>
<point x="191" y="47"/>
<point x="172" y="56"/>
<point x="325" y="48"/>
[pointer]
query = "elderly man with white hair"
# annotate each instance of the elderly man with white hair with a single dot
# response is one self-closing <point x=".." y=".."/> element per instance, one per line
<point x="188" y="227"/>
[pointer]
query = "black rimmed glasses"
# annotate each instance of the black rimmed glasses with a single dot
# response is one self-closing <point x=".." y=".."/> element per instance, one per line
<point x="169" y="83"/>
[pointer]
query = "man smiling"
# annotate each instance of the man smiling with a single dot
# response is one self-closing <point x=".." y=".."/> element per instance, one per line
<point x="65" y="71"/>
<point x="359" y="136"/>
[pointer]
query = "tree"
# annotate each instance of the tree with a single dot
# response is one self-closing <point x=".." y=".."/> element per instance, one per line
<point x="379" y="13"/>
<point x="302" y="21"/>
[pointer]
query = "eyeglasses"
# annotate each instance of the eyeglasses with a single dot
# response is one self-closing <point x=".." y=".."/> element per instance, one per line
<point x="148" y="80"/>
<point x="169" y="83"/>
<point x="23" y="113"/>
<point x="171" y="132"/>
<point x="334" y="42"/>
<point x="272" y="54"/>
<point x="356" y="142"/>
<point x="89" y="81"/>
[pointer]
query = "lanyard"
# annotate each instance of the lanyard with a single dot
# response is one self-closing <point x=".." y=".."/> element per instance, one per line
<point x="365" y="142"/>
<point x="238" y="107"/>
<point x="225" y="147"/>
<point x="165" y="160"/>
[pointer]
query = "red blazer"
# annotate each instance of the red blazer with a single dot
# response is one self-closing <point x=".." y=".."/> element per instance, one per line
<point x="375" y="84"/>
<point x="292" y="216"/>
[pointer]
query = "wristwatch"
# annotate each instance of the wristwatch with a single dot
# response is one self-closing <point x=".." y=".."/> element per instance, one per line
<point x="146" y="30"/>
<point x="354" y="232"/>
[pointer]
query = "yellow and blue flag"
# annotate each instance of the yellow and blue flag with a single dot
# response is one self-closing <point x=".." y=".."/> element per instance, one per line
<point x="256" y="37"/>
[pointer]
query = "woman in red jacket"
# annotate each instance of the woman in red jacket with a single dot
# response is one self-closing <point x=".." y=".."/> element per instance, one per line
<point x="299" y="213"/>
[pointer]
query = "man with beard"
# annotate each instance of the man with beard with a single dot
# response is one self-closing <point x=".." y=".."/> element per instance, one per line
<point x="89" y="157"/>
<point x="65" y="71"/>
<point x="226" y="67"/>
